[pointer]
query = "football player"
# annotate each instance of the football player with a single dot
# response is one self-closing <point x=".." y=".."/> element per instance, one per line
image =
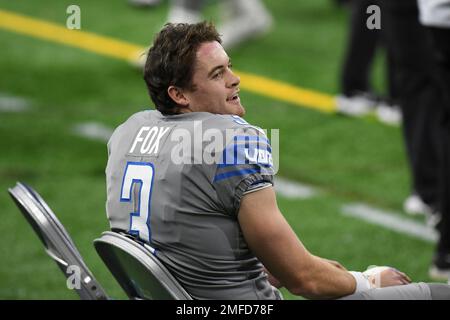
<point x="195" y="181"/>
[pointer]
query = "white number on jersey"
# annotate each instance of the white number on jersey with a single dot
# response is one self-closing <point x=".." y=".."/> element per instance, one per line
<point x="141" y="173"/>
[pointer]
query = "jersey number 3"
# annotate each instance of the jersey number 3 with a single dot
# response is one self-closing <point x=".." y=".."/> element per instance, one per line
<point x="141" y="174"/>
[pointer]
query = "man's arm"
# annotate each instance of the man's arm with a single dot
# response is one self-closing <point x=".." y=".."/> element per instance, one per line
<point x="276" y="245"/>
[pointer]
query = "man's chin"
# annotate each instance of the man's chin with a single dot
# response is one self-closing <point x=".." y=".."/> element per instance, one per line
<point x="235" y="110"/>
<point x="239" y="111"/>
<point x="242" y="112"/>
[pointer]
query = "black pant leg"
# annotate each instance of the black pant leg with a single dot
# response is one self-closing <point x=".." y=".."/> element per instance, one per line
<point x="418" y="94"/>
<point x="441" y="43"/>
<point x="361" y="48"/>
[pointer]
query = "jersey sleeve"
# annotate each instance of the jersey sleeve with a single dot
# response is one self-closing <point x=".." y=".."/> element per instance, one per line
<point x="245" y="166"/>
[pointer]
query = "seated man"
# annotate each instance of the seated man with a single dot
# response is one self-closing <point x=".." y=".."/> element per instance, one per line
<point x="194" y="180"/>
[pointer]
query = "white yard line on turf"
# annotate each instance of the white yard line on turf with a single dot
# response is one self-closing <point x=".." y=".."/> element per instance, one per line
<point x="93" y="131"/>
<point x="293" y="190"/>
<point x="9" y="103"/>
<point x="390" y="220"/>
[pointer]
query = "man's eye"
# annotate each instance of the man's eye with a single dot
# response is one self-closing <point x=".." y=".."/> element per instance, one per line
<point x="217" y="75"/>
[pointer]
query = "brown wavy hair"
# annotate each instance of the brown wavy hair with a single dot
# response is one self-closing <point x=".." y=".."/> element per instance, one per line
<point x="171" y="60"/>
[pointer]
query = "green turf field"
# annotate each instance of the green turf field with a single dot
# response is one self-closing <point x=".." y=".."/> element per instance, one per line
<point x="348" y="160"/>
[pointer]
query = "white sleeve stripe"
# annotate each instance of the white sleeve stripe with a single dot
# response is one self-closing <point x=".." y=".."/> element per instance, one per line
<point x="257" y="187"/>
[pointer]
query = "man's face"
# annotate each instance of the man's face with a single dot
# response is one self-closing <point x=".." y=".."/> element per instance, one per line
<point x="216" y="86"/>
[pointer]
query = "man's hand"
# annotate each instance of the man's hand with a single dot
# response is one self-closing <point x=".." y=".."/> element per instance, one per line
<point x="334" y="263"/>
<point x="380" y="277"/>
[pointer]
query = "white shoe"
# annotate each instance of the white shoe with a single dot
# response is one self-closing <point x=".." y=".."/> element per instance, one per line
<point x="433" y="219"/>
<point x="414" y="206"/>
<point x="357" y="105"/>
<point x="389" y="114"/>
<point x="245" y="19"/>
<point x="437" y="274"/>
<point x="181" y="15"/>
<point x="440" y="268"/>
<point x="144" y="3"/>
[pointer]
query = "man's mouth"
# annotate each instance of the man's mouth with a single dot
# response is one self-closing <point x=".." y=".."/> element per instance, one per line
<point x="234" y="98"/>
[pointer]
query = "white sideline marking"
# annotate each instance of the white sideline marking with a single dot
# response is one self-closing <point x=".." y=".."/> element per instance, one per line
<point x="390" y="220"/>
<point x="293" y="190"/>
<point x="93" y="130"/>
<point x="10" y="103"/>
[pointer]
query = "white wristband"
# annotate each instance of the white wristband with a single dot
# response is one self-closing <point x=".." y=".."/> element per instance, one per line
<point x="362" y="283"/>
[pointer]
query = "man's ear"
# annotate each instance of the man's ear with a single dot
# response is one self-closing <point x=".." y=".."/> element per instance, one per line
<point x="178" y="96"/>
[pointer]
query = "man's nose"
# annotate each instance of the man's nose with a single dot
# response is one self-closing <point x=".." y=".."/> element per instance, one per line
<point x="234" y="79"/>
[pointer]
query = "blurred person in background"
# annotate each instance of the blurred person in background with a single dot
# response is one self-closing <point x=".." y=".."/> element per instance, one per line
<point x="357" y="97"/>
<point x="435" y="15"/>
<point x="421" y="100"/>
<point x="145" y="3"/>
<point x="240" y="20"/>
